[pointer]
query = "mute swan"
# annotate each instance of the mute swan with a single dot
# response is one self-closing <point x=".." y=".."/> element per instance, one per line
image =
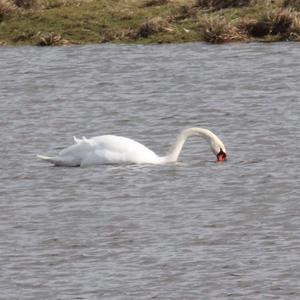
<point x="111" y="149"/>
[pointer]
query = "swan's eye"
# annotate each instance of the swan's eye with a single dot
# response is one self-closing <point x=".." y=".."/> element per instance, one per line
<point x="221" y="156"/>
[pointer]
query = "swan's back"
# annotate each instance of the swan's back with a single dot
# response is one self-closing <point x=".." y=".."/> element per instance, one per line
<point x="118" y="144"/>
<point x="118" y="149"/>
<point x="109" y="149"/>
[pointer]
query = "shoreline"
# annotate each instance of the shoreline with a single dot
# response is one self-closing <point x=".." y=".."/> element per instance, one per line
<point x="146" y="22"/>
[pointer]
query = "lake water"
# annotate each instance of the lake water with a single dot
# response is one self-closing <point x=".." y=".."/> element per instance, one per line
<point x="196" y="229"/>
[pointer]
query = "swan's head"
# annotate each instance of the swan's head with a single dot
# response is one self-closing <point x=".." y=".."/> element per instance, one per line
<point x="218" y="149"/>
<point x="221" y="156"/>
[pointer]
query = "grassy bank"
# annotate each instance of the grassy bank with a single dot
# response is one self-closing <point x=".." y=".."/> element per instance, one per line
<point x="61" y="22"/>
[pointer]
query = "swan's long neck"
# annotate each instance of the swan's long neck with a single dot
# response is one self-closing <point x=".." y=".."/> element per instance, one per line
<point x="175" y="151"/>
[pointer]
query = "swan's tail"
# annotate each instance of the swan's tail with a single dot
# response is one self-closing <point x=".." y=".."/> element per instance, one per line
<point x="54" y="160"/>
<point x="60" y="161"/>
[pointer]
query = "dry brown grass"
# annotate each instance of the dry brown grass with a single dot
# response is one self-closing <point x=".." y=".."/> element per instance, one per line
<point x="294" y="32"/>
<point x="152" y="26"/>
<point x="256" y="28"/>
<point x="6" y="7"/>
<point x="119" y="35"/>
<point x="46" y="4"/>
<point x="186" y="12"/>
<point x="150" y="3"/>
<point x="292" y="4"/>
<point x="220" y="4"/>
<point x="283" y="23"/>
<point x="216" y="21"/>
<point x="217" y="30"/>
<point x="51" y="39"/>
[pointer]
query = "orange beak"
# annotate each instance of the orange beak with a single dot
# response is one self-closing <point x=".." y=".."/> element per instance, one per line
<point x="221" y="156"/>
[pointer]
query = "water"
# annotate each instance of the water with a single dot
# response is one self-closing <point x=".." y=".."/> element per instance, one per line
<point x="192" y="230"/>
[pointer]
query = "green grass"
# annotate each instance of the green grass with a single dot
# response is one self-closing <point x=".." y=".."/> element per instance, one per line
<point x="95" y="21"/>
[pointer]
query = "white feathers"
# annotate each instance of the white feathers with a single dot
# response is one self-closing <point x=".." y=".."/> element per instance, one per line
<point x="111" y="149"/>
<point x="76" y="140"/>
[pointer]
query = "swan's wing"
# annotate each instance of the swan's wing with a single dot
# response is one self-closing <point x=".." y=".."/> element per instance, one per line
<point x="81" y="148"/>
<point x="104" y="149"/>
<point x="117" y="144"/>
<point x="117" y="149"/>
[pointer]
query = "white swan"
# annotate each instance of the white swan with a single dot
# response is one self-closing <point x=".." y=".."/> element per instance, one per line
<point x="111" y="149"/>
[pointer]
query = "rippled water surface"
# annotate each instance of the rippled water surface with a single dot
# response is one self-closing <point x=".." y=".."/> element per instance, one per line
<point x="192" y="230"/>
